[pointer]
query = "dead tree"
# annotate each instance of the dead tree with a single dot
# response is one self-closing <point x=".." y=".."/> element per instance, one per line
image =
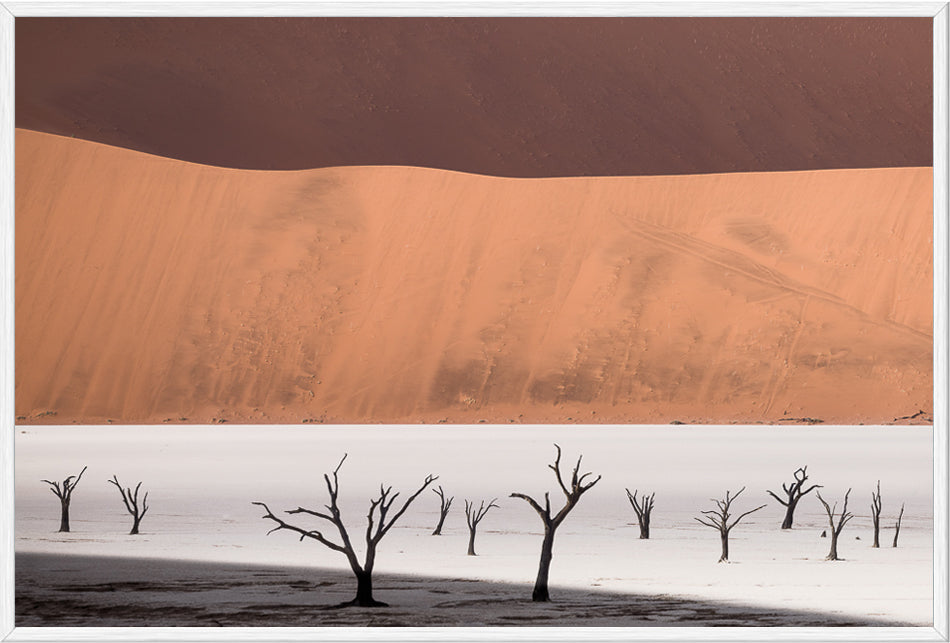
<point x="474" y="516"/>
<point x="897" y="525"/>
<point x="551" y="523"/>
<point x="443" y="509"/>
<point x="876" y="514"/>
<point x="131" y="501"/>
<point x="378" y="524"/>
<point x="65" y="492"/>
<point x="643" y="508"/>
<point x="793" y="492"/>
<point x="719" y="519"/>
<point x="843" y="519"/>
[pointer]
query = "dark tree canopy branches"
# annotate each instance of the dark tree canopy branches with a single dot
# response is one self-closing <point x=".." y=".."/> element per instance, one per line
<point x="793" y="493"/>
<point x="130" y="499"/>
<point x="843" y="518"/>
<point x="572" y="496"/>
<point x="444" y="505"/>
<point x="721" y="519"/>
<point x="64" y="492"/>
<point x="474" y="516"/>
<point x="379" y="521"/>
<point x="643" y="507"/>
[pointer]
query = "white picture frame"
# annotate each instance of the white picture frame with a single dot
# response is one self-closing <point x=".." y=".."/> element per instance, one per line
<point x="12" y="9"/>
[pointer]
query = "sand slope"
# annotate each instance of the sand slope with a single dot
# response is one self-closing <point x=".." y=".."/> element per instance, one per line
<point x="149" y="289"/>
<point x="526" y="97"/>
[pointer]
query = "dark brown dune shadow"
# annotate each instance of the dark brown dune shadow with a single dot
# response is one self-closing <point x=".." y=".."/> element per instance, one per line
<point x="85" y="591"/>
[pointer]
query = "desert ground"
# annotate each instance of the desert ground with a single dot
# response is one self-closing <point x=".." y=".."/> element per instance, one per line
<point x="150" y="290"/>
<point x="204" y="557"/>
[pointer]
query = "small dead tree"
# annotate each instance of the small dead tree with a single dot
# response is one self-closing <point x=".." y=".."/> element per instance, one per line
<point x="64" y="492"/>
<point x="719" y="519"/>
<point x="378" y="524"/>
<point x="793" y="492"/>
<point x="643" y="508"/>
<point x="443" y="509"/>
<point x="131" y="501"/>
<point x="876" y="515"/>
<point x="843" y="519"/>
<point x="897" y="525"/>
<point x="551" y="523"/>
<point x="474" y="516"/>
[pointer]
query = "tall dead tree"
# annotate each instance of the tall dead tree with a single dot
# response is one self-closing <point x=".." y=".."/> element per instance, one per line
<point x="793" y="492"/>
<point x="130" y="499"/>
<point x="443" y="509"/>
<point x="643" y="508"/>
<point x="719" y="519"/>
<point x="378" y="524"/>
<point x="64" y="492"/>
<point x="474" y="516"/>
<point x="876" y="514"/>
<point x="897" y="525"/>
<point x="551" y="523"/>
<point x="843" y="519"/>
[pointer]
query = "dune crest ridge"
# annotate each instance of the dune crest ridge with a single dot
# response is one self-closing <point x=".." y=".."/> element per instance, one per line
<point x="191" y="293"/>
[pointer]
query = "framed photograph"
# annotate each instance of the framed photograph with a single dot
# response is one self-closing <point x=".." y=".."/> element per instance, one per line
<point x="474" y="321"/>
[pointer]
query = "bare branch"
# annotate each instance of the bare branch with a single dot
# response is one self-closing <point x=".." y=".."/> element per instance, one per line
<point x="544" y="513"/>
<point x="556" y="468"/>
<point x="784" y="502"/>
<point x="736" y="521"/>
<point x="304" y="533"/>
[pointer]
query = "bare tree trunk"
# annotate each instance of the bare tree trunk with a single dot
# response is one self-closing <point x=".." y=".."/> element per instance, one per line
<point x="364" y="591"/>
<point x="833" y="554"/>
<point x="540" y="593"/>
<point x="897" y="526"/>
<point x="644" y="530"/>
<point x="438" y="528"/>
<point x="471" y="542"/>
<point x="789" y="515"/>
<point x="876" y="514"/>
<point x="135" y="526"/>
<point x="64" y="517"/>
<point x="724" y="537"/>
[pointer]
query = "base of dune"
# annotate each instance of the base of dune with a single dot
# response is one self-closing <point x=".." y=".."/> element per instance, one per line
<point x="150" y="290"/>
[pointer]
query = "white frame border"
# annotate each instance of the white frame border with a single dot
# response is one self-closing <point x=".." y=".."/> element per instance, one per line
<point x="939" y="11"/>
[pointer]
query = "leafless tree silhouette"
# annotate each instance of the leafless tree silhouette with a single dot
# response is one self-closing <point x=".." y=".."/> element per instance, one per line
<point x="474" y="516"/>
<point x="444" y="506"/>
<point x="843" y="519"/>
<point x="378" y="525"/>
<point x="551" y="523"/>
<point x="643" y="508"/>
<point x="876" y="514"/>
<point x="897" y="525"/>
<point x="65" y="493"/>
<point x="719" y="519"/>
<point x="793" y="492"/>
<point x="131" y="501"/>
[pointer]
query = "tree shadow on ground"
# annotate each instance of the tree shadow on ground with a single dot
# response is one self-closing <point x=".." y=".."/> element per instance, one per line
<point x="84" y="591"/>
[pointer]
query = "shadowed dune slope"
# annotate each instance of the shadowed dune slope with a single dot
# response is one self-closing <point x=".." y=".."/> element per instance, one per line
<point x="527" y="97"/>
<point x="149" y="289"/>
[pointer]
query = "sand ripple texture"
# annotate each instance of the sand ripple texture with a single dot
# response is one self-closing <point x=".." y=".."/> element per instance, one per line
<point x="153" y="290"/>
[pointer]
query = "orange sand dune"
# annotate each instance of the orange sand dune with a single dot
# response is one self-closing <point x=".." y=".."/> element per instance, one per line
<point x="151" y="290"/>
